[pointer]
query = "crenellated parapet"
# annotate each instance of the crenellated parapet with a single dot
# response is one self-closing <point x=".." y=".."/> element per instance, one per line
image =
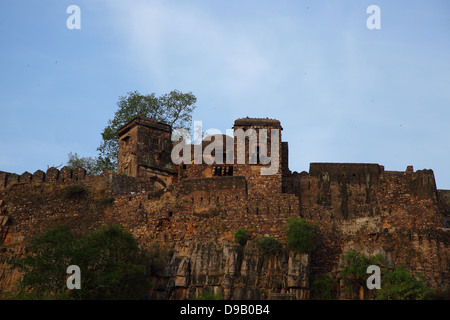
<point x="53" y="175"/>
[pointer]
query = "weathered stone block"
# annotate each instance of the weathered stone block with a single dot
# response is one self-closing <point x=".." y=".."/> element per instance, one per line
<point x="25" y="177"/>
<point x="38" y="176"/>
<point x="79" y="174"/>
<point x="12" y="179"/>
<point x="65" y="174"/>
<point x="52" y="175"/>
<point x="3" y="179"/>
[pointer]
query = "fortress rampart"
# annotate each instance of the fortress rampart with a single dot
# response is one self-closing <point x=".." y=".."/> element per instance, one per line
<point x="354" y="205"/>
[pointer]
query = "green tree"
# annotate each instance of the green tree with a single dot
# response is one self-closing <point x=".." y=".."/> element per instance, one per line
<point x="44" y="271"/>
<point x="90" y="164"/>
<point x="400" y="284"/>
<point x="300" y="235"/>
<point x="353" y="269"/>
<point x="111" y="263"/>
<point x="174" y="109"/>
<point x="323" y="287"/>
<point x="269" y="246"/>
<point x="241" y="236"/>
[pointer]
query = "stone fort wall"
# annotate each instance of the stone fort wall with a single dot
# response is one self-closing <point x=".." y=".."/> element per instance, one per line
<point x="354" y="205"/>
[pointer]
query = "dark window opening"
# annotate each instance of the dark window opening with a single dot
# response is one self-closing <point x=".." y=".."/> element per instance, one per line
<point x="170" y="213"/>
<point x="258" y="161"/>
<point x="126" y="141"/>
<point x="222" y="171"/>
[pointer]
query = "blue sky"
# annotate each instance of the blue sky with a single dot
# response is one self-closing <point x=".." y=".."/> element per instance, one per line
<point x="342" y="92"/>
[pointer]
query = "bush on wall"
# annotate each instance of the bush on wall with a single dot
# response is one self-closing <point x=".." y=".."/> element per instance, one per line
<point x="300" y="235"/>
<point x="269" y="246"/>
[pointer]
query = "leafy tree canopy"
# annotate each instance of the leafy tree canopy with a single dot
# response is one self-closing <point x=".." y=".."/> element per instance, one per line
<point x="323" y="287"/>
<point x="174" y="108"/>
<point x="269" y="246"/>
<point x="241" y="236"/>
<point x="90" y="164"/>
<point x="111" y="263"/>
<point x="300" y="235"/>
<point x="355" y="264"/>
<point x="400" y="284"/>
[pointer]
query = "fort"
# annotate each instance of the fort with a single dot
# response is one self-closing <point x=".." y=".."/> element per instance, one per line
<point x="195" y="208"/>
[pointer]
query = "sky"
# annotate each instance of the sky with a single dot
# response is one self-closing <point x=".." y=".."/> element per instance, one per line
<point x="343" y="92"/>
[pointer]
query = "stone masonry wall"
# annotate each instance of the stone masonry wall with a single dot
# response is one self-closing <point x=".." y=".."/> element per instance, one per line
<point x="197" y="210"/>
<point x="396" y="211"/>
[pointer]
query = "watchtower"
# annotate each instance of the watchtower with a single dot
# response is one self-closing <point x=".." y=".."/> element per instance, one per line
<point x="144" y="150"/>
<point x="253" y="147"/>
<point x="258" y="171"/>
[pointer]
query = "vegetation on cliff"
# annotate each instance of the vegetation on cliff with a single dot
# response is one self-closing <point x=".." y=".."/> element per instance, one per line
<point x="400" y="284"/>
<point x="354" y="269"/>
<point x="300" y="235"/>
<point x="323" y="287"/>
<point x="396" y="284"/>
<point x="241" y="236"/>
<point x="112" y="265"/>
<point x="269" y="246"/>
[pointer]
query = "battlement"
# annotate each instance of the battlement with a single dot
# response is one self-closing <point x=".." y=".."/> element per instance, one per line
<point x="52" y="175"/>
<point x="356" y="172"/>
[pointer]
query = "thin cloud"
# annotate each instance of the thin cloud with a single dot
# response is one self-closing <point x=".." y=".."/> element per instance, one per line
<point x="187" y="45"/>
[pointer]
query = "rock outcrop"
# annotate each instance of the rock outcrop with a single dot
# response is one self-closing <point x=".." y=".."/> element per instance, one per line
<point x="230" y="271"/>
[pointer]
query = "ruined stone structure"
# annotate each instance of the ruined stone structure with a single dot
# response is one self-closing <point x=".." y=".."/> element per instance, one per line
<point x="195" y="208"/>
<point x="144" y="151"/>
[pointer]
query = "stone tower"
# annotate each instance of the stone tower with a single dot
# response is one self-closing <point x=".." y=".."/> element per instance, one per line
<point x="254" y="163"/>
<point x="144" y="150"/>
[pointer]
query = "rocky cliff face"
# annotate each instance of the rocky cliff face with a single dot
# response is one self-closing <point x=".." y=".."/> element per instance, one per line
<point x="232" y="272"/>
